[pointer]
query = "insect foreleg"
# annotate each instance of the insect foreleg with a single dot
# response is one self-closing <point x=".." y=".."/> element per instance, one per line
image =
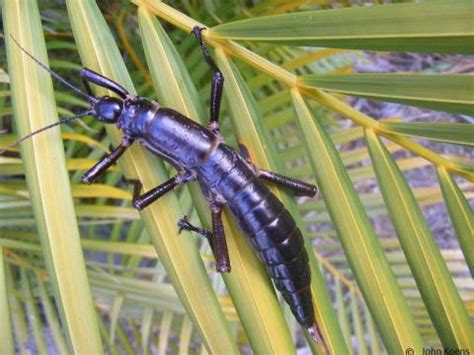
<point x="143" y="200"/>
<point x="88" y="75"/>
<point x="106" y="162"/>
<point x="217" y="81"/>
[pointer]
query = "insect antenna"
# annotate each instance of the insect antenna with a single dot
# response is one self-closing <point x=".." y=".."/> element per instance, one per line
<point x="64" y="120"/>
<point x="58" y="77"/>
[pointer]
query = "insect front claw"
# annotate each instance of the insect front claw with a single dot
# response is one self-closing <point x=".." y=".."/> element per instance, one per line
<point x="134" y="182"/>
<point x="197" y="30"/>
<point x="183" y="224"/>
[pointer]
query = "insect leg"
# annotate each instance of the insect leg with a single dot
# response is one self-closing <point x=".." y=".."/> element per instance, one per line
<point x="244" y="152"/>
<point x="216" y="239"/>
<point x="88" y="87"/>
<point x="106" y="162"/>
<point x="142" y="201"/>
<point x="217" y="81"/>
<point x="137" y="186"/>
<point x="184" y="224"/>
<point x="88" y="75"/>
<point x="298" y="187"/>
<point x="221" y="253"/>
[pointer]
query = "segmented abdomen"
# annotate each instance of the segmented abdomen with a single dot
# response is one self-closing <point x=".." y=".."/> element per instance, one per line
<point x="269" y="227"/>
<point x="272" y="232"/>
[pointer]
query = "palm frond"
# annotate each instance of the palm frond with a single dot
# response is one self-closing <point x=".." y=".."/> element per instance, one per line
<point x="143" y="287"/>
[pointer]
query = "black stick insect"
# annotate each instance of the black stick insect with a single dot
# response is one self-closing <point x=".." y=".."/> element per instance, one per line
<point x="227" y="178"/>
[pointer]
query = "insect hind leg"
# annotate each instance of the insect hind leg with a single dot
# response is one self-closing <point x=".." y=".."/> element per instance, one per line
<point x="297" y="186"/>
<point x="184" y="224"/>
<point x="216" y="239"/>
<point x="221" y="253"/>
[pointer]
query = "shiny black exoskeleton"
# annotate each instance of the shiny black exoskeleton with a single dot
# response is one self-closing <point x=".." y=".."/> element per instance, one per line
<point x="227" y="178"/>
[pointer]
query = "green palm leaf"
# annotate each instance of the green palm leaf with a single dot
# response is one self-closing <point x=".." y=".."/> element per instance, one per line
<point x="357" y="236"/>
<point x="6" y="338"/>
<point x="52" y="202"/>
<point x="435" y="283"/>
<point x="451" y="93"/>
<point x="176" y="252"/>
<point x="443" y="28"/>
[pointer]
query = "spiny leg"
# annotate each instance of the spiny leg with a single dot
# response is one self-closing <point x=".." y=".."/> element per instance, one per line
<point x="144" y="200"/>
<point x="217" y="81"/>
<point x="106" y="162"/>
<point x="297" y="186"/>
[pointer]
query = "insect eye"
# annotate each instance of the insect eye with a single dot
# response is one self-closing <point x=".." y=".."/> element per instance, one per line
<point x="108" y="109"/>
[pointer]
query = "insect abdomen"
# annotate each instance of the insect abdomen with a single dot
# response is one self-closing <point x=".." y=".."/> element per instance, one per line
<point x="267" y="224"/>
<point x="272" y="232"/>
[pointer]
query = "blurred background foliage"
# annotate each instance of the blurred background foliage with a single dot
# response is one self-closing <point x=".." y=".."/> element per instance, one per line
<point x="137" y="308"/>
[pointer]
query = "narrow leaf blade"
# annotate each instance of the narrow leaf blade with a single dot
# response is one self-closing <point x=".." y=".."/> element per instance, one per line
<point x="175" y="89"/>
<point x="249" y="128"/>
<point x="177" y="252"/>
<point x="456" y="133"/>
<point x="460" y="213"/>
<point x="432" y="276"/>
<point x="443" y="27"/>
<point x="34" y="106"/>
<point x="6" y="335"/>
<point x="358" y="239"/>
<point x="451" y="93"/>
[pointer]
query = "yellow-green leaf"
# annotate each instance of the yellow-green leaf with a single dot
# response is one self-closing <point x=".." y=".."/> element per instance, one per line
<point x="177" y="252"/>
<point x="244" y="282"/>
<point x="34" y="321"/>
<point x="460" y="213"/>
<point x="51" y="317"/>
<point x="432" y="276"/>
<point x="6" y="335"/>
<point x="456" y="133"/>
<point x="432" y="26"/>
<point x="358" y="239"/>
<point x="33" y="101"/>
<point x="448" y="92"/>
<point x="175" y="89"/>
